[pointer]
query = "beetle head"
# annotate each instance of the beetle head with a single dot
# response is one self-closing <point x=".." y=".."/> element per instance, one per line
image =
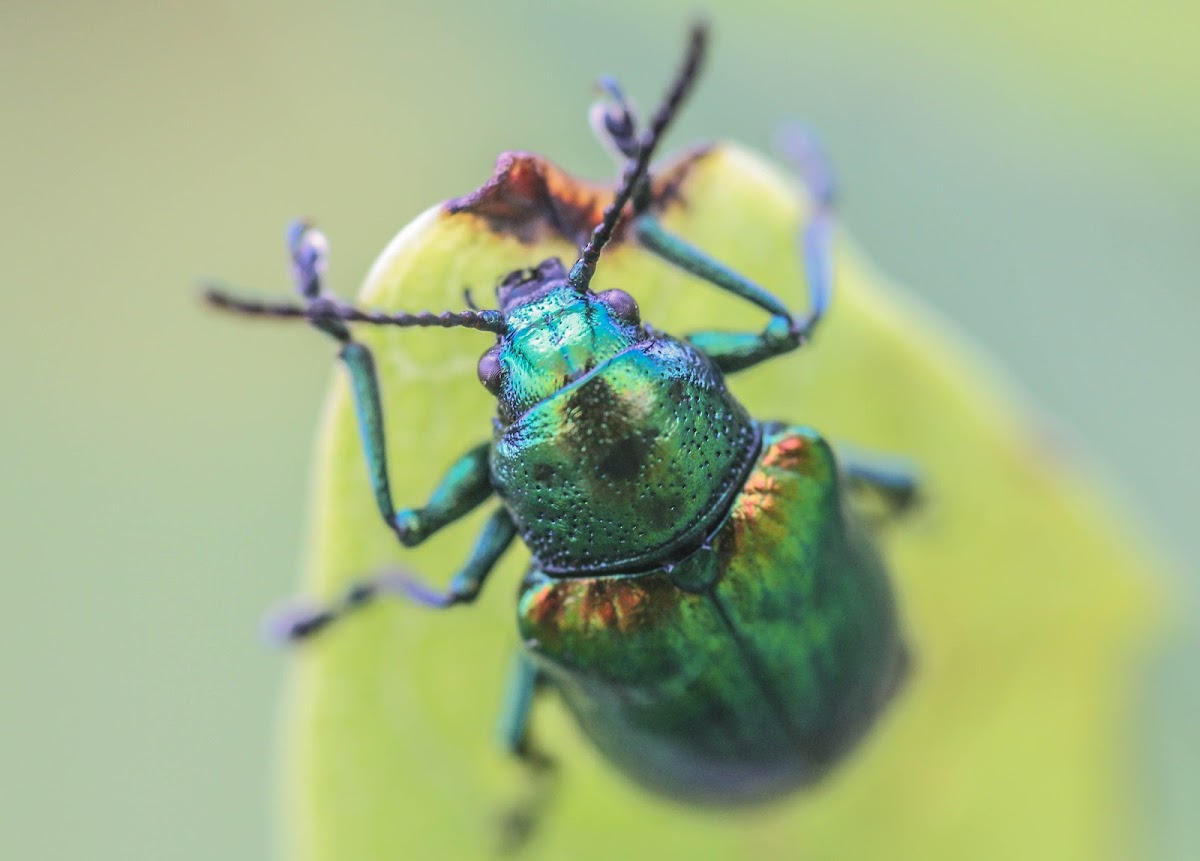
<point x="524" y="286"/>
<point x="553" y="334"/>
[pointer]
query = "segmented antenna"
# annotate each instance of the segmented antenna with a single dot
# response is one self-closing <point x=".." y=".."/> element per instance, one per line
<point x="309" y="251"/>
<point x="635" y="169"/>
<point x="324" y="308"/>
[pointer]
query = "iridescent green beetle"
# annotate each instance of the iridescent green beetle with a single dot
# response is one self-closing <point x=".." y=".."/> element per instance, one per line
<point x="701" y="593"/>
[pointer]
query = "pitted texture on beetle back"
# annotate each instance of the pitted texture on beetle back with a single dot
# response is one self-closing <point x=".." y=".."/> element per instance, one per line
<point x="628" y="466"/>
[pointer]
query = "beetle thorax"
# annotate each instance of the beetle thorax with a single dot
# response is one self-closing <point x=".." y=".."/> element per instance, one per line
<point x="632" y="464"/>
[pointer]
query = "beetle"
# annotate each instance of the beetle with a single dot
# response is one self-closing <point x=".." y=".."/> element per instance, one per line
<point x="702" y="593"/>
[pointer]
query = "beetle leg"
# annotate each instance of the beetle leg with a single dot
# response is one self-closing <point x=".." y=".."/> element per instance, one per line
<point x="497" y="535"/>
<point x="524" y="682"/>
<point x="897" y="486"/>
<point x="299" y="623"/>
<point x="465" y="485"/>
<point x="734" y="351"/>
<point x="364" y="386"/>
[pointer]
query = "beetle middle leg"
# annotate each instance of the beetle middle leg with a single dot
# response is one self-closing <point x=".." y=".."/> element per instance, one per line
<point x="497" y="535"/>
<point x="525" y="682"/>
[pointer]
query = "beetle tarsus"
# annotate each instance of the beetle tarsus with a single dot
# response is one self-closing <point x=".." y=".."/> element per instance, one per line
<point x="309" y="250"/>
<point x="293" y="623"/>
<point x="614" y="120"/>
<point x="422" y="593"/>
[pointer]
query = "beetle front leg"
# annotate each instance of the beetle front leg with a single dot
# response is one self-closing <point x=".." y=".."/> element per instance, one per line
<point x="300" y="623"/>
<point x="735" y="351"/>
<point x="615" y="124"/>
<point x="525" y="681"/>
<point x="465" y="485"/>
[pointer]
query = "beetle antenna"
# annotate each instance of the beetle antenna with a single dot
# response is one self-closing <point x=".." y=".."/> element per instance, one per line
<point x="324" y="308"/>
<point x="309" y="251"/>
<point x="635" y="169"/>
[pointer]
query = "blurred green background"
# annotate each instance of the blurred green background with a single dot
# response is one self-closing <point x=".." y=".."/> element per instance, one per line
<point x="1032" y="170"/>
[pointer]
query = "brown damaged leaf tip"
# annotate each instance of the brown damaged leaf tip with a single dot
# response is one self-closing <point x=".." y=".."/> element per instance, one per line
<point x="532" y="200"/>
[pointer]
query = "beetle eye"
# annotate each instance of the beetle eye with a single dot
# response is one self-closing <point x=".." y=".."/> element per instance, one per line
<point x="490" y="370"/>
<point x="621" y="305"/>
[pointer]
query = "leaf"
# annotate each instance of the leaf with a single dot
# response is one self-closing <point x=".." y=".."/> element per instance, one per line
<point x="1028" y="601"/>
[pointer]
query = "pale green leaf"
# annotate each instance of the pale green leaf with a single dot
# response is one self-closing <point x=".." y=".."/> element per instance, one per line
<point x="1027" y="599"/>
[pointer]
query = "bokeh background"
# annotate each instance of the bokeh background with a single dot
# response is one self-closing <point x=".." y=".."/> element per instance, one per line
<point x="1031" y="169"/>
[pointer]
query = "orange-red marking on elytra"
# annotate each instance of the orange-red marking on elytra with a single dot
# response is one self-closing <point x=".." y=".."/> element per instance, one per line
<point x="547" y="605"/>
<point x="790" y="452"/>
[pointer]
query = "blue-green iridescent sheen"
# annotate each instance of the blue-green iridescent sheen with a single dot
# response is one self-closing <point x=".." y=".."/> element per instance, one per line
<point x="556" y="339"/>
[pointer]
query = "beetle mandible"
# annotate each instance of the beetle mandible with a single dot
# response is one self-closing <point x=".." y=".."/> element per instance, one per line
<point x="701" y="593"/>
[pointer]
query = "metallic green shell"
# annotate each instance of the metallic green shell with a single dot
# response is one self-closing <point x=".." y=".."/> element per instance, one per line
<point x="753" y="665"/>
<point x="556" y="339"/>
<point x="629" y="466"/>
